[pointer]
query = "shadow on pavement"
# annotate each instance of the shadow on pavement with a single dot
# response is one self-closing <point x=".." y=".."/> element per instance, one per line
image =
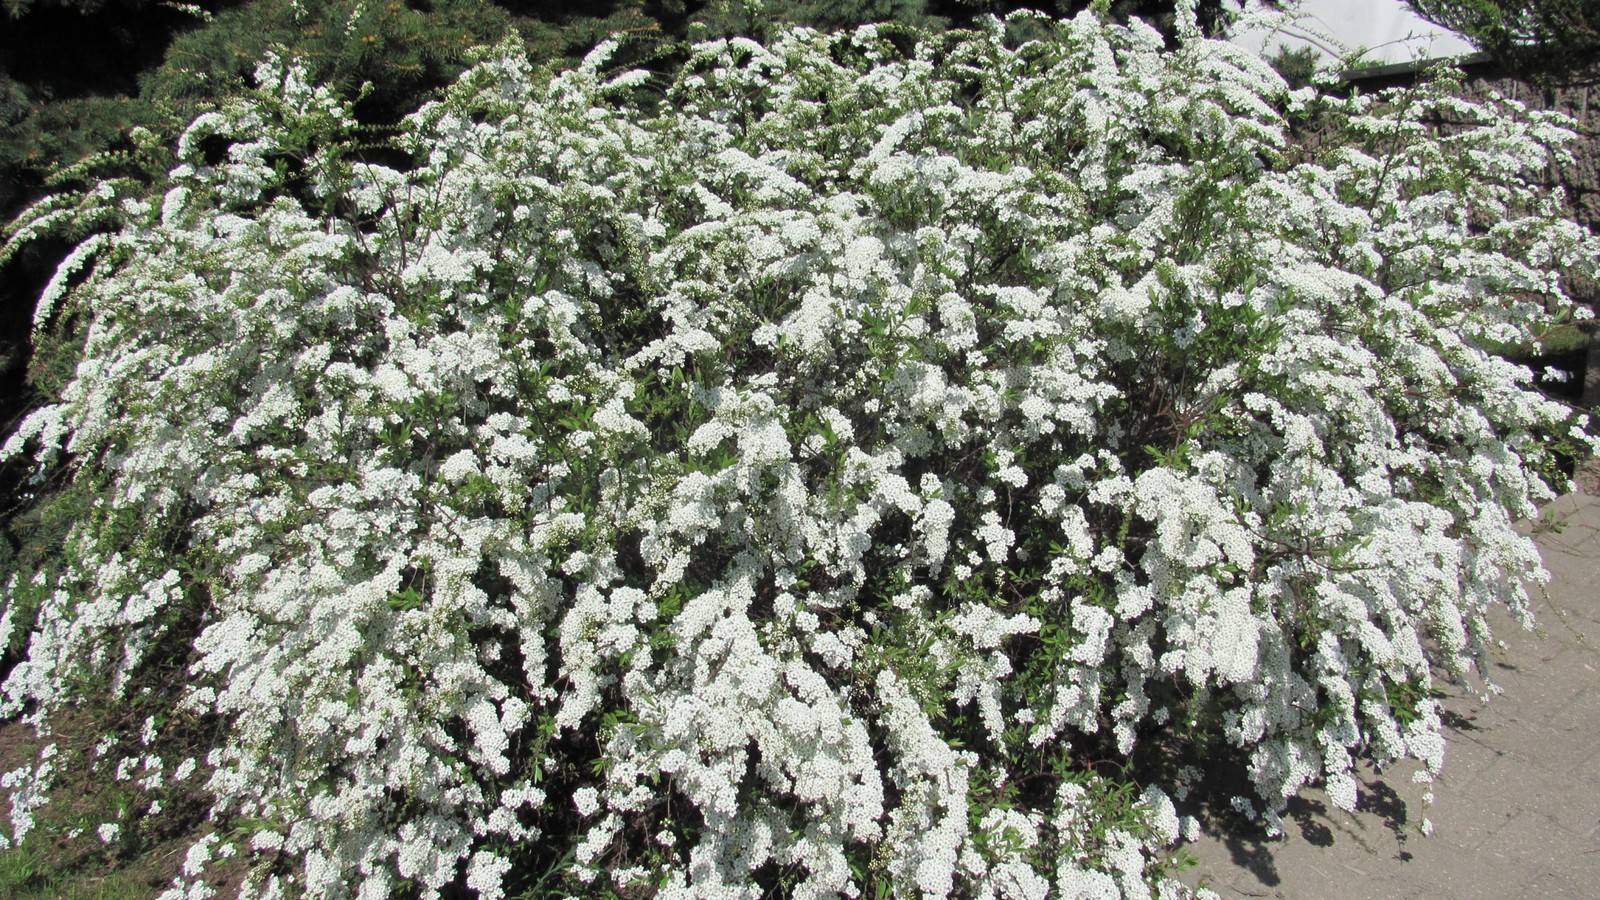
<point x="1255" y="856"/>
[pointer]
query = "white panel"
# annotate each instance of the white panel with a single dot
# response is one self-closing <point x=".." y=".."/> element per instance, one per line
<point x="1387" y="29"/>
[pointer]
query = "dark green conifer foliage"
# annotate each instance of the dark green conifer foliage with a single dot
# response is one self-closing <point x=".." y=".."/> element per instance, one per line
<point x="1296" y="66"/>
<point x="17" y="8"/>
<point x="1553" y="38"/>
<point x="400" y="51"/>
<point x="400" y="48"/>
<point x="742" y="17"/>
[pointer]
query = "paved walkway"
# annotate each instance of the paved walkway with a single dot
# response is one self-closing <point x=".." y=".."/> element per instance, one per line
<point x="1516" y="812"/>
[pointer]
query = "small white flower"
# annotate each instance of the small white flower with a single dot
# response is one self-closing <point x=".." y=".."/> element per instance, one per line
<point x="587" y="801"/>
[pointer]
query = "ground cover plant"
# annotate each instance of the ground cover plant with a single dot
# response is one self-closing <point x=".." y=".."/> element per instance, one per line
<point x="813" y="474"/>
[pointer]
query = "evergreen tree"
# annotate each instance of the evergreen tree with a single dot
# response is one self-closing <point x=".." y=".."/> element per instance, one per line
<point x="1535" y="37"/>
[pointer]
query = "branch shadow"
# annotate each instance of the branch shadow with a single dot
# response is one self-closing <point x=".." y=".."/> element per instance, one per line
<point x="1312" y="818"/>
<point x="1308" y="817"/>
<point x="1254" y="855"/>
<point x="1457" y="722"/>
<point x="1378" y="798"/>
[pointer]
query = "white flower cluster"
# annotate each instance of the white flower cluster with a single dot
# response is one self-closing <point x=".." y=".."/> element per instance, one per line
<point x="744" y="496"/>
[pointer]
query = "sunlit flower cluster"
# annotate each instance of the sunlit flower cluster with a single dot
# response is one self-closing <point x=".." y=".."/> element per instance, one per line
<point x="787" y="483"/>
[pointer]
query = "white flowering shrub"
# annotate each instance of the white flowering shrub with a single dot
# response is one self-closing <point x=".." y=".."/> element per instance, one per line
<point x="800" y="484"/>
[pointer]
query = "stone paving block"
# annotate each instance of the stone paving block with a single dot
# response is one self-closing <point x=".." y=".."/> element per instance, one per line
<point x="1517" y="808"/>
<point x="1568" y="519"/>
<point x="1553" y="884"/>
<point x="1588" y="769"/>
<point x="1538" y="794"/>
<point x="1529" y="844"/>
<point x="1554" y="739"/>
<point x="1461" y="825"/>
<point x="1466" y="759"/>
<point x="1557" y="630"/>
